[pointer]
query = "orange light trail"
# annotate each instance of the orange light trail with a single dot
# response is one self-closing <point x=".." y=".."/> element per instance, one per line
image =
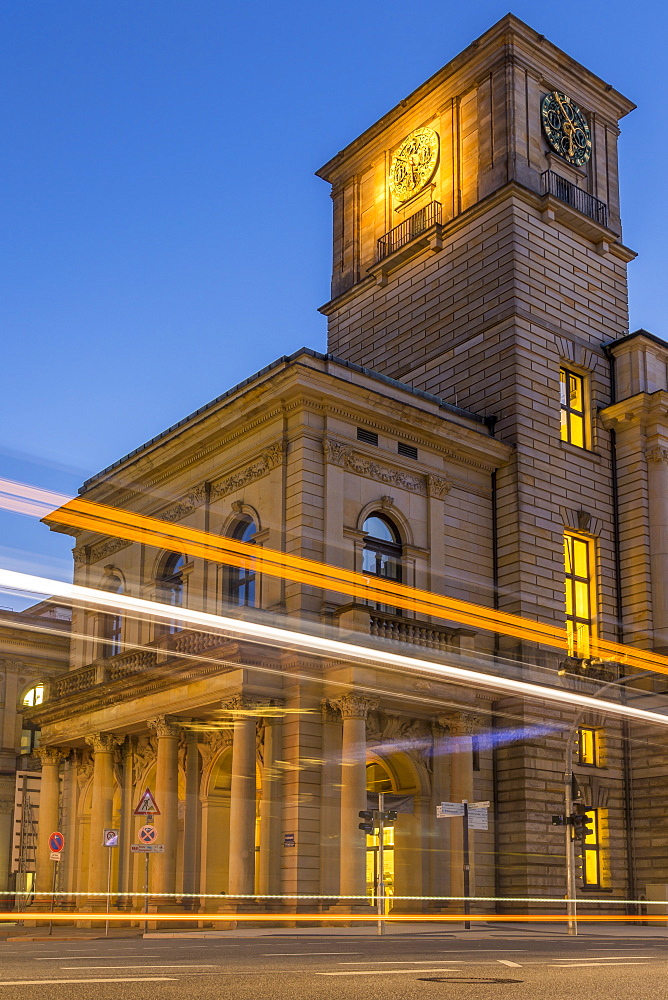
<point x="111" y="521"/>
<point x="402" y="918"/>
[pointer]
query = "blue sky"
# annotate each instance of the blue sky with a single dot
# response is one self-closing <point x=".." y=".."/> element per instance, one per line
<point x="163" y="234"/>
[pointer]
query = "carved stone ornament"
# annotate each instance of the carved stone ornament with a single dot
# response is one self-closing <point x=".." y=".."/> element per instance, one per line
<point x="355" y="706"/>
<point x="656" y="454"/>
<point x="239" y="703"/>
<point x="212" y="742"/>
<point x="103" y="742"/>
<point x="238" y="506"/>
<point x="343" y="455"/>
<point x="145" y="754"/>
<point x="84" y="767"/>
<point x="164" y="726"/>
<point x="328" y="711"/>
<point x="459" y="723"/>
<point x="52" y="755"/>
<point x="387" y="502"/>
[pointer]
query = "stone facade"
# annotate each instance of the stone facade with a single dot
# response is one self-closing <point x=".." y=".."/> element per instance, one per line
<point x="438" y="409"/>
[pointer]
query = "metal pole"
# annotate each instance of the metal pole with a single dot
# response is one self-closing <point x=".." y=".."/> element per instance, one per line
<point x="106" y="923"/>
<point x="145" y="889"/>
<point x="467" y="865"/>
<point x="571" y="904"/>
<point x="53" y="894"/>
<point x="380" y="898"/>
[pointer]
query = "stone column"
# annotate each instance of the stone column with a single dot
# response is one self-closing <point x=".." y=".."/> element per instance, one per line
<point x="269" y="882"/>
<point x="242" y="799"/>
<point x="461" y="726"/>
<point x="330" y="801"/>
<point x="103" y="746"/>
<point x="127" y="820"/>
<point x="192" y="824"/>
<point x="167" y="798"/>
<point x="49" y="813"/>
<point x="354" y="710"/>
<point x="657" y="492"/>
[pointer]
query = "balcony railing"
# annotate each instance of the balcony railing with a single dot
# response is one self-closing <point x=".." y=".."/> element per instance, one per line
<point x="406" y="231"/>
<point x="574" y="196"/>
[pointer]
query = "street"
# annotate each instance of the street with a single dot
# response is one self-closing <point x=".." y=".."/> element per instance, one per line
<point x="338" y="964"/>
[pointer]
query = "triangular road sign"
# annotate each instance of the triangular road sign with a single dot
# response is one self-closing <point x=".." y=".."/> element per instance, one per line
<point x="147" y="805"/>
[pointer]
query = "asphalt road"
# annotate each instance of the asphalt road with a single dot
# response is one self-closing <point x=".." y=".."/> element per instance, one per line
<point x="290" y="966"/>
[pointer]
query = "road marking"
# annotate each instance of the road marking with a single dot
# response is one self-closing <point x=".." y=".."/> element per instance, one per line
<point x="43" y="982"/>
<point x="592" y="965"/>
<point x="294" y="954"/>
<point x="72" y="958"/>
<point x="607" y="958"/>
<point x="385" y="972"/>
<point x="407" y="961"/>
<point x="512" y="965"/>
<point x="195" y="965"/>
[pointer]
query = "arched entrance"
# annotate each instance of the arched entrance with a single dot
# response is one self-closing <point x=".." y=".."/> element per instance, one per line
<point x="378" y="780"/>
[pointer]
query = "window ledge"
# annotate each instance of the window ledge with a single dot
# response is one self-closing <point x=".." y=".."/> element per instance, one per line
<point x="574" y="449"/>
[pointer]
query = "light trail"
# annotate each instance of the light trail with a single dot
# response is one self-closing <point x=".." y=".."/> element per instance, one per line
<point x="323" y="918"/>
<point x="112" y="521"/>
<point x="312" y="644"/>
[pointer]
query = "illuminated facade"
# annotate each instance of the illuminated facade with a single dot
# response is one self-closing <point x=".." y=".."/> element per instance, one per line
<point x="464" y="436"/>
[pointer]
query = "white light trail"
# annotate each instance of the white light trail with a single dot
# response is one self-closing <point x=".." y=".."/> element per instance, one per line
<point x="312" y="644"/>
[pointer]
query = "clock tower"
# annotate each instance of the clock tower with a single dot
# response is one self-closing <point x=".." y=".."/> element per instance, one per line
<point x="478" y="256"/>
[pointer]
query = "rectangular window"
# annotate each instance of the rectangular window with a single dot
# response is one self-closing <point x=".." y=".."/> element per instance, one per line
<point x="580" y="600"/>
<point x="369" y="437"/>
<point x="572" y="390"/>
<point x="589" y="746"/>
<point x="591" y="850"/>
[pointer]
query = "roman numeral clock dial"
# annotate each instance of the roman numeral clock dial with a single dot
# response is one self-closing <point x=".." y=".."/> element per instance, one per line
<point x="565" y="128"/>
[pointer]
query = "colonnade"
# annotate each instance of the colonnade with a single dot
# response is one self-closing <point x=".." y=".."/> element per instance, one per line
<point x="181" y="866"/>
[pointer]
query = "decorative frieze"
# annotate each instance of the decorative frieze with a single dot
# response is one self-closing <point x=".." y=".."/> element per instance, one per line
<point x="343" y="455"/>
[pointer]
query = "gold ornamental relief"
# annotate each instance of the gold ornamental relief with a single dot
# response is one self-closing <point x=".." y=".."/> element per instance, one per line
<point x="414" y="163"/>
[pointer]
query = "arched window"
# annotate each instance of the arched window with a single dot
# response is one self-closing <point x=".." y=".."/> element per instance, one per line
<point x="382" y="553"/>
<point x="240" y="582"/>
<point x="112" y="625"/>
<point x="171" y="587"/>
<point x="35" y="696"/>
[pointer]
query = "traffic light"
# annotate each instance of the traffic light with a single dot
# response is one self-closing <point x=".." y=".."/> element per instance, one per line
<point x="367" y="816"/>
<point x="583" y="822"/>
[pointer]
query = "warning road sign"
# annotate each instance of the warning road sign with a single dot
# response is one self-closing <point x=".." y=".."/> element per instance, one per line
<point x="147" y="805"/>
<point x="147" y="835"/>
<point x="56" y="842"/>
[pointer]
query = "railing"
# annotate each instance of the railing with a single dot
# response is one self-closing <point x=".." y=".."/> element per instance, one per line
<point x="130" y="663"/>
<point x="72" y="682"/>
<point x="574" y="196"/>
<point x="408" y="630"/>
<point x="406" y="231"/>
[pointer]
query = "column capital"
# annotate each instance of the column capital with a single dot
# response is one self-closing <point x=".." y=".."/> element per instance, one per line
<point x="656" y="453"/>
<point x="355" y="706"/>
<point x="328" y="711"/>
<point x="52" y="755"/>
<point x="103" y="742"/>
<point x="164" y="726"/>
<point x="243" y="703"/>
<point x="459" y="723"/>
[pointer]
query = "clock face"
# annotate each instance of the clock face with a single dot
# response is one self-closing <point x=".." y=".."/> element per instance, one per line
<point x="414" y="163"/>
<point x="566" y="128"/>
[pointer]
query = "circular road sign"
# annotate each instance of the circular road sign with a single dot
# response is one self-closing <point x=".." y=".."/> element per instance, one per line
<point x="147" y="834"/>
<point x="56" y="842"/>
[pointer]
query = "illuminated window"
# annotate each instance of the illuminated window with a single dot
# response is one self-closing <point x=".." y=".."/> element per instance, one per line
<point x="171" y="587"/>
<point x="112" y="625"/>
<point x="240" y="581"/>
<point x="591" y="850"/>
<point x="572" y="391"/>
<point x="579" y="593"/>
<point x="589" y="746"/>
<point x="35" y="696"/>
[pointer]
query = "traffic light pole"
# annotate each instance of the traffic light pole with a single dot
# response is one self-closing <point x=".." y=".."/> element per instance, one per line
<point x="380" y="898"/>
<point x="571" y="904"/>
<point x="467" y="865"/>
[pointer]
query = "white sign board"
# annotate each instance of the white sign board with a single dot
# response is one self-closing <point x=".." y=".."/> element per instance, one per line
<point x="449" y="809"/>
<point x="478" y="819"/>
<point x="147" y="848"/>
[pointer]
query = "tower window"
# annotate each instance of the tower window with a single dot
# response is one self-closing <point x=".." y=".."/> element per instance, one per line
<point x="382" y="553"/>
<point x="407" y="450"/>
<point x="111" y="625"/>
<point x="579" y="585"/>
<point x="572" y="394"/>
<point x="171" y="587"/>
<point x="33" y="697"/>
<point x="369" y="437"/>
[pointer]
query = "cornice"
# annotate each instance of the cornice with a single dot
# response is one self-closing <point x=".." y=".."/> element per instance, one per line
<point x="638" y="410"/>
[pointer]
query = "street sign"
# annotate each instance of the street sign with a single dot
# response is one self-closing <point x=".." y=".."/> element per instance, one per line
<point x="478" y="819"/>
<point x="289" y="840"/>
<point x="479" y="805"/>
<point x="147" y="834"/>
<point x="55" y="855"/>
<point x="147" y="848"/>
<point x="447" y="809"/>
<point x="56" y="842"/>
<point x="110" y="838"/>
<point x="147" y="806"/>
